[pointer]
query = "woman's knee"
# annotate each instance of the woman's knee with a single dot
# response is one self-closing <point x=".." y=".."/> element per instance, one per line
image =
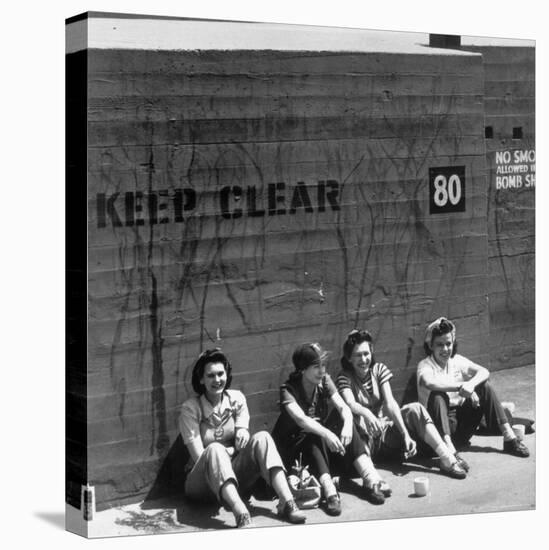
<point x="484" y="388"/>
<point x="217" y="451"/>
<point x="263" y="438"/>
<point x="438" y="400"/>
<point x="312" y="441"/>
<point x="415" y="414"/>
<point x="439" y="395"/>
<point x="413" y="409"/>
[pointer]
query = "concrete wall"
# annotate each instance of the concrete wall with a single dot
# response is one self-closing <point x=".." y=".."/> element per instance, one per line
<point x="256" y="200"/>
<point x="510" y="153"/>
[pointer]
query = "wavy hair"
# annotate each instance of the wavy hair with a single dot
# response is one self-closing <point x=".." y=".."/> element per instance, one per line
<point x="355" y="338"/>
<point x="214" y="355"/>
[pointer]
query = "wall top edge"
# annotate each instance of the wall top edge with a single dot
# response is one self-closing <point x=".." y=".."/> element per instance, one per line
<point x="97" y="30"/>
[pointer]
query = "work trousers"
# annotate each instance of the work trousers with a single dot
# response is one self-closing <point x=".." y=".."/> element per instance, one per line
<point x="215" y="467"/>
<point x="390" y="443"/>
<point x="461" y="422"/>
<point x="314" y="452"/>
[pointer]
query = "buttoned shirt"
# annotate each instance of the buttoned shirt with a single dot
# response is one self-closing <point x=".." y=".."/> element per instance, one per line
<point x="199" y="419"/>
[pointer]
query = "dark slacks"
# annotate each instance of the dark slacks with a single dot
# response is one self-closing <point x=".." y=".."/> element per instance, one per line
<point x="461" y="422"/>
<point x="315" y="453"/>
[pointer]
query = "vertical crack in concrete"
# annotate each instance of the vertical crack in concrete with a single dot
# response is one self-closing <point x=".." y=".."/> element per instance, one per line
<point x="158" y="397"/>
<point x="157" y="378"/>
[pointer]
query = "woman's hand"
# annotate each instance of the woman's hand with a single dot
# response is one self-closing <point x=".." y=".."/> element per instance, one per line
<point x="241" y="438"/>
<point x="475" y="401"/>
<point x="346" y="435"/>
<point x="467" y="389"/>
<point x="333" y="442"/>
<point x="410" y="447"/>
<point x="373" y="425"/>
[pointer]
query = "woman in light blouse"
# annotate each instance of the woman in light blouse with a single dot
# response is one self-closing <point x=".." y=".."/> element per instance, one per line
<point x="225" y="461"/>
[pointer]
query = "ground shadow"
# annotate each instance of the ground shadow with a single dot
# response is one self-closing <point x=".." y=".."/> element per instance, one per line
<point x="257" y="510"/>
<point x="170" y="480"/>
<point x="188" y="513"/>
<point x="350" y="486"/>
<point x="482" y="449"/>
<point x="167" y="492"/>
<point x="57" y="519"/>
<point x="528" y="424"/>
<point x="200" y="516"/>
<point x="419" y="464"/>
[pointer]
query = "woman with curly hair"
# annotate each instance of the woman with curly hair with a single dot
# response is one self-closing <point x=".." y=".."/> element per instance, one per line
<point x="225" y="461"/>
<point x="365" y="386"/>
<point x="457" y="394"/>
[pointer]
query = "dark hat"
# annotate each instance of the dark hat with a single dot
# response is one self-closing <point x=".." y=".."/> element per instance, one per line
<point x="309" y="354"/>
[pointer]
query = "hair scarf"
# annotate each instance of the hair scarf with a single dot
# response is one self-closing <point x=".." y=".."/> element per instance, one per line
<point x="435" y="324"/>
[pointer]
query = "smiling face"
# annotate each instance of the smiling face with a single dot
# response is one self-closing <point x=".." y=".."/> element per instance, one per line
<point x="361" y="358"/>
<point x="214" y="380"/>
<point x="441" y="347"/>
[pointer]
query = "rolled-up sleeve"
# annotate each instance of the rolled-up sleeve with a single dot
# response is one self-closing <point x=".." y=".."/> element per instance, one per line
<point x="286" y="396"/>
<point x="468" y="368"/>
<point x="242" y="414"/>
<point x="424" y="374"/>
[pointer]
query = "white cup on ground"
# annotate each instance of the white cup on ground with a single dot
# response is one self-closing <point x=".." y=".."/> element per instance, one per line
<point x="519" y="431"/>
<point x="421" y="486"/>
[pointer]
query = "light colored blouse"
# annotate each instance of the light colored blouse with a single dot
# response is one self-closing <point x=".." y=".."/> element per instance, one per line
<point x="200" y="420"/>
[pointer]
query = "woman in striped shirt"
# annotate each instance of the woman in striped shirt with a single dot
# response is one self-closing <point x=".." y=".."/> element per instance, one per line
<point x="365" y="386"/>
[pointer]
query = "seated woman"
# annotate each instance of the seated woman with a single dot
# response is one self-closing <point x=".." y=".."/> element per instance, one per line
<point x="325" y="443"/>
<point x="456" y="393"/>
<point x="365" y="386"/>
<point x="225" y="460"/>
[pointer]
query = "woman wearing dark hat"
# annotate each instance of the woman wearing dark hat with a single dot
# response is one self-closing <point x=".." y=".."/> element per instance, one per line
<point x="305" y="430"/>
<point x="365" y="386"/>
<point x="224" y="459"/>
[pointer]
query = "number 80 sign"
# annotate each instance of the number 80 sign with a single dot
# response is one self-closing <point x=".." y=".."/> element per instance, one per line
<point x="446" y="189"/>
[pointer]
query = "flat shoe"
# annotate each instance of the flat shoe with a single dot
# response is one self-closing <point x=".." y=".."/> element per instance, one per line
<point x="373" y="494"/>
<point x="516" y="448"/>
<point x="333" y="505"/>
<point x="385" y="489"/>
<point x="462" y="463"/>
<point x="291" y="513"/>
<point x="455" y="471"/>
